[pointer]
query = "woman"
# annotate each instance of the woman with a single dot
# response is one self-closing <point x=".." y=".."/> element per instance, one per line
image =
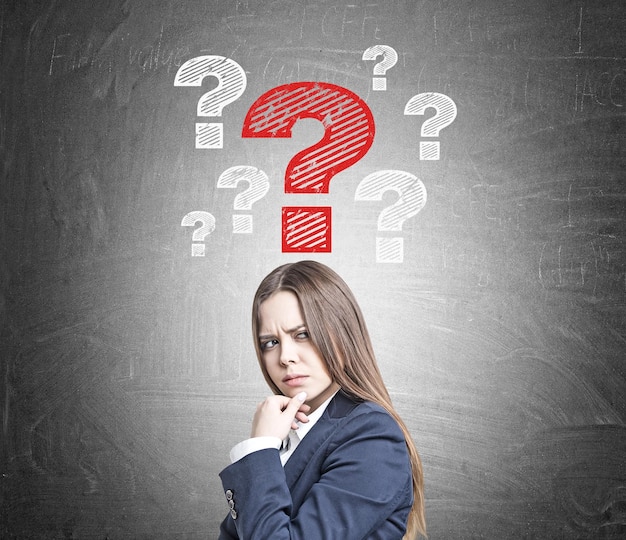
<point x="328" y="455"/>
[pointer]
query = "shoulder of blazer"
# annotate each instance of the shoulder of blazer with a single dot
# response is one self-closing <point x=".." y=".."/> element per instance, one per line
<point x="343" y="405"/>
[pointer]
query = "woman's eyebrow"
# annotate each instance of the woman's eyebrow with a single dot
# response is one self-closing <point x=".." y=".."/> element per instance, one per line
<point x="290" y="331"/>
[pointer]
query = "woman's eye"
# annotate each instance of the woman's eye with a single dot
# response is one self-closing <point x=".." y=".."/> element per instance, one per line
<point x="302" y="335"/>
<point x="270" y="344"/>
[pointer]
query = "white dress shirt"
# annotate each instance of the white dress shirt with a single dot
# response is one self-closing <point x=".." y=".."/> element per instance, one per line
<point x="255" y="444"/>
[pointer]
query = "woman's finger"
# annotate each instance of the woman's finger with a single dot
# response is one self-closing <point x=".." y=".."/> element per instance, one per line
<point x="276" y="415"/>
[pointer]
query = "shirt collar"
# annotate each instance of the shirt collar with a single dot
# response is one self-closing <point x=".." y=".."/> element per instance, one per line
<point x="305" y="427"/>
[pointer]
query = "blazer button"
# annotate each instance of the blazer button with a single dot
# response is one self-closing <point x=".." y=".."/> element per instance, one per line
<point x="231" y="503"/>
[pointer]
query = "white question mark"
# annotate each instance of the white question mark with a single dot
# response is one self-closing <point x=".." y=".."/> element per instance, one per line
<point x="445" y="115"/>
<point x="259" y="186"/>
<point x="231" y="85"/>
<point x="390" y="58"/>
<point x="412" y="199"/>
<point x="208" y="226"/>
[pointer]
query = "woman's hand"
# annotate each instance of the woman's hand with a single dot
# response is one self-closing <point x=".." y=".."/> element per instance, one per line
<point x="276" y="415"/>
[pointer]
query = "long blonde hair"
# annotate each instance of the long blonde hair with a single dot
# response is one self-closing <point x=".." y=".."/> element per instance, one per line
<point x="337" y="328"/>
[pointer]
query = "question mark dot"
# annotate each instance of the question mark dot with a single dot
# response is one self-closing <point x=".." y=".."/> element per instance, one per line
<point x="429" y="150"/>
<point x="307" y="229"/>
<point x="209" y="136"/>
<point x="389" y="250"/>
<point x="242" y="224"/>
<point x="379" y="83"/>
<point x="198" y="250"/>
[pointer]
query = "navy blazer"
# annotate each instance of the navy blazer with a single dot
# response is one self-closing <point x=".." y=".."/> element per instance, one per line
<point x="349" y="479"/>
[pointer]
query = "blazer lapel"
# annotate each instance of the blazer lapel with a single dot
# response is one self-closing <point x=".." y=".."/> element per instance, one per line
<point x="337" y="409"/>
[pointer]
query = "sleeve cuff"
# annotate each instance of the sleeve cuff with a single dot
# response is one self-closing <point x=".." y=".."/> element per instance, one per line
<point x="254" y="444"/>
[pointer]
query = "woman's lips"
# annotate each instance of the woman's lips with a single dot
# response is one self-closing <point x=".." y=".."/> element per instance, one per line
<point x="294" y="380"/>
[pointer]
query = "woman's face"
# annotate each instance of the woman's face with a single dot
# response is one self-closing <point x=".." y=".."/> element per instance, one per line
<point x="292" y="361"/>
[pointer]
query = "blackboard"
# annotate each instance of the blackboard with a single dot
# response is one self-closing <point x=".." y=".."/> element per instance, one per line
<point x="127" y="366"/>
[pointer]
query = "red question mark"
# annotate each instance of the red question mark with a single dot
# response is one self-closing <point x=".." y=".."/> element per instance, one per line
<point x="348" y="135"/>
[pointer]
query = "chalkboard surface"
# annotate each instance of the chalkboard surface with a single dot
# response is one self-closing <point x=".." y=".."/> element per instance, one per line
<point x="127" y="370"/>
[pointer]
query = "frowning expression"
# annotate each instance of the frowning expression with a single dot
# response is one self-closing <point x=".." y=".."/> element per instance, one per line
<point x="291" y="359"/>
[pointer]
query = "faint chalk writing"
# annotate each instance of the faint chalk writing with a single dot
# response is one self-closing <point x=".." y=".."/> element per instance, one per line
<point x="71" y="53"/>
<point x="459" y="29"/>
<point x="276" y="72"/>
<point x="587" y="268"/>
<point x="606" y="89"/>
<point x="480" y="201"/>
<point x="352" y="20"/>
<point x="579" y="32"/>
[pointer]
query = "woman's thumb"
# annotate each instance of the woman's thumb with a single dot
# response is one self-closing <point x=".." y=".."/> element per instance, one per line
<point x="297" y="401"/>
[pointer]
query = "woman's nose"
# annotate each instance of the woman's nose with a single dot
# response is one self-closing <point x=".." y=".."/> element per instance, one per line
<point x="287" y="353"/>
